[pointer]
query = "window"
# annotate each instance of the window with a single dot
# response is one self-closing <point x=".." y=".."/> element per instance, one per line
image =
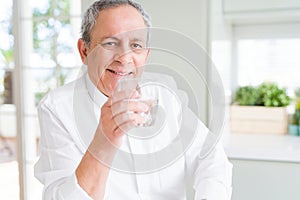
<point x="8" y="164"/>
<point x="47" y="58"/>
<point x="268" y="53"/>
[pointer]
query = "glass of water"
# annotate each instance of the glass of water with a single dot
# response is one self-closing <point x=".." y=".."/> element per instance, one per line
<point x="148" y="92"/>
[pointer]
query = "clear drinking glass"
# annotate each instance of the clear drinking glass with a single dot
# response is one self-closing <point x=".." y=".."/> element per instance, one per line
<point x="149" y="94"/>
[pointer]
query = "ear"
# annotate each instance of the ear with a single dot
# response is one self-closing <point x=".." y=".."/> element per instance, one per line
<point x="147" y="54"/>
<point x="82" y="50"/>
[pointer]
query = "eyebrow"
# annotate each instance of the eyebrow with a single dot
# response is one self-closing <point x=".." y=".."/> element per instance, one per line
<point x="118" y="39"/>
<point x="109" y="37"/>
<point x="138" y="40"/>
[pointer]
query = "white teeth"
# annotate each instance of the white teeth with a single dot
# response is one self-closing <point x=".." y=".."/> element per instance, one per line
<point x="120" y="73"/>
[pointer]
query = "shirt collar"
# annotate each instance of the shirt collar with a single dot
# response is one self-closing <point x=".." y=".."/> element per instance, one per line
<point x="98" y="97"/>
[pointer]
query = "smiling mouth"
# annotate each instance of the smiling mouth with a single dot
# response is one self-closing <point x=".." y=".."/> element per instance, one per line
<point x="120" y="73"/>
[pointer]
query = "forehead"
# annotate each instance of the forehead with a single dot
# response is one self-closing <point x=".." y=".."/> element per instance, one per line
<point x="116" y="20"/>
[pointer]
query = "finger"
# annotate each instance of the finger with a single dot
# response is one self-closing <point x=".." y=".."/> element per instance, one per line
<point x="136" y="118"/>
<point x="129" y="106"/>
<point x="125" y="94"/>
<point x="106" y="118"/>
<point x="107" y="105"/>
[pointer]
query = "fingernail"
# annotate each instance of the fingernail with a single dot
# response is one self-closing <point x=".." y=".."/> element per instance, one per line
<point x="137" y="94"/>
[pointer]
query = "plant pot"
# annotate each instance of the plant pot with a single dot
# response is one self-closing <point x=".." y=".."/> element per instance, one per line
<point x="258" y="119"/>
<point x="294" y="129"/>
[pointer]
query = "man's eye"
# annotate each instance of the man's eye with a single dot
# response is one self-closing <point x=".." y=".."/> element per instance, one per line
<point x="110" y="44"/>
<point x="137" y="46"/>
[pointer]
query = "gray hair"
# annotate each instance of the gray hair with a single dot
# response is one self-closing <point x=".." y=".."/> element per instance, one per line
<point x="91" y="14"/>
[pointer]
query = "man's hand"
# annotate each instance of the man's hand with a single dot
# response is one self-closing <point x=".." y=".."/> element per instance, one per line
<point x="119" y="114"/>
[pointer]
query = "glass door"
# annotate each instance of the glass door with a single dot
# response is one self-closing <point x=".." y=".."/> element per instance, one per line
<point x="38" y="52"/>
<point x="8" y="131"/>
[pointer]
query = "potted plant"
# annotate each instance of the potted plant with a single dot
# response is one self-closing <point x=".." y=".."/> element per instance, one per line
<point x="294" y="127"/>
<point x="271" y="95"/>
<point x="246" y="96"/>
<point x="260" y="109"/>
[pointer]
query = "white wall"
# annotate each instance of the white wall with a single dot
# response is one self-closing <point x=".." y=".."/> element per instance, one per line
<point x="257" y="11"/>
<point x="221" y="47"/>
<point x="259" y="5"/>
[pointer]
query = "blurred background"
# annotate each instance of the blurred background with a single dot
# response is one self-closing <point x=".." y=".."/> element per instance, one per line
<point x="254" y="44"/>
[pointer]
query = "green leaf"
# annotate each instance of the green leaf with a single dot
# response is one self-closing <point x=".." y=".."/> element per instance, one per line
<point x="266" y="94"/>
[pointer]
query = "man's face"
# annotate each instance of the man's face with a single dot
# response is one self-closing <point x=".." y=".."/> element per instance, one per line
<point x="118" y="47"/>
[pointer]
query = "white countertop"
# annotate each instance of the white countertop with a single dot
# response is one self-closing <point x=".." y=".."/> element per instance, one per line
<point x="284" y="148"/>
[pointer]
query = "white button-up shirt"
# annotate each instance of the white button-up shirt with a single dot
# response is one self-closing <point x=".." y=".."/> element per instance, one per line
<point x="68" y="119"/>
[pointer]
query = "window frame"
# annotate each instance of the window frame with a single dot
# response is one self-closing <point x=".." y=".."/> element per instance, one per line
<point x="21" y="12"/>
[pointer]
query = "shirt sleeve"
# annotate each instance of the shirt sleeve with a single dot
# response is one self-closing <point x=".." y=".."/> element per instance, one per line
<point x="211" y="175"/>
<point x="66" y="188"/>
<point x="59" y="159"/>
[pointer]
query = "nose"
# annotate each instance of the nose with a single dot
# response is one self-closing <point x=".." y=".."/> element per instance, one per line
<point x="125" y="58"/>
<point x="124" y="55"/>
